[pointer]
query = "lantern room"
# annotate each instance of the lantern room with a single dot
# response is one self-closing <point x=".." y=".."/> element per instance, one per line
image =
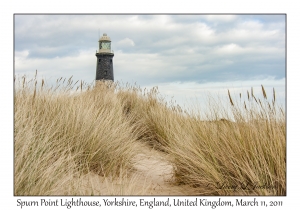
<point x="105" y="44"/>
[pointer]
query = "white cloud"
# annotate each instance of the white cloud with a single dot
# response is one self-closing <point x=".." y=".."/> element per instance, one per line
<point x="126" y="43"/>
<point x="251" y="25"/>
<point x="21" y="55"/>
<point x="222" y="18"/>
<point x="229" y="48"/>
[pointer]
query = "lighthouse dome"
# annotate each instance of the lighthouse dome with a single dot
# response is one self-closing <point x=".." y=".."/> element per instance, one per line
<point x="104" y="38"/>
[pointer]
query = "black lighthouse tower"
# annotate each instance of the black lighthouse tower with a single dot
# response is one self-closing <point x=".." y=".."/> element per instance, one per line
<point x="104" y="70"/>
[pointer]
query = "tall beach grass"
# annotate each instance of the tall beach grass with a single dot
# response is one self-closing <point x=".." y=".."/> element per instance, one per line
<point x="74" y="138"/>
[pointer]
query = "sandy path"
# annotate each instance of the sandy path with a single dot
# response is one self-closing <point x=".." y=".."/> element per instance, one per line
<point x="153" y="169"/>
<point x="152" y="175"/>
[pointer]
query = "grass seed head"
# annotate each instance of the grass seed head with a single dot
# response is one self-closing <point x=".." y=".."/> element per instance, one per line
<point x="248" y="95"/>
<point x="230" y="98"/>
<point x="264" y="92"/>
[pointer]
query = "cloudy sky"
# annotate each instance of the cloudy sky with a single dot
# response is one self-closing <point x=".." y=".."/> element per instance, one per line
<point x="184" y="55"/>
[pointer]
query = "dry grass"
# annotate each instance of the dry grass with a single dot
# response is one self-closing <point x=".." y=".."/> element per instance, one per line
<point x="79" y="142"/>
<point x="60" y="137"/>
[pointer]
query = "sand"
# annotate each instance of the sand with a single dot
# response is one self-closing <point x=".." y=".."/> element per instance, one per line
<point x="152" y="167"/>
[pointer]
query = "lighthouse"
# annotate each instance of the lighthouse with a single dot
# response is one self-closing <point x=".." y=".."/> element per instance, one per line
<point x="104" y="69"/>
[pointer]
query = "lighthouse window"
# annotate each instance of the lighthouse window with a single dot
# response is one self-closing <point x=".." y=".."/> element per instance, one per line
<point x="105" y="73"/>
<point x="110" y="60"/>
<point x="99" y="60"/>
<point x="105" y="45"/>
